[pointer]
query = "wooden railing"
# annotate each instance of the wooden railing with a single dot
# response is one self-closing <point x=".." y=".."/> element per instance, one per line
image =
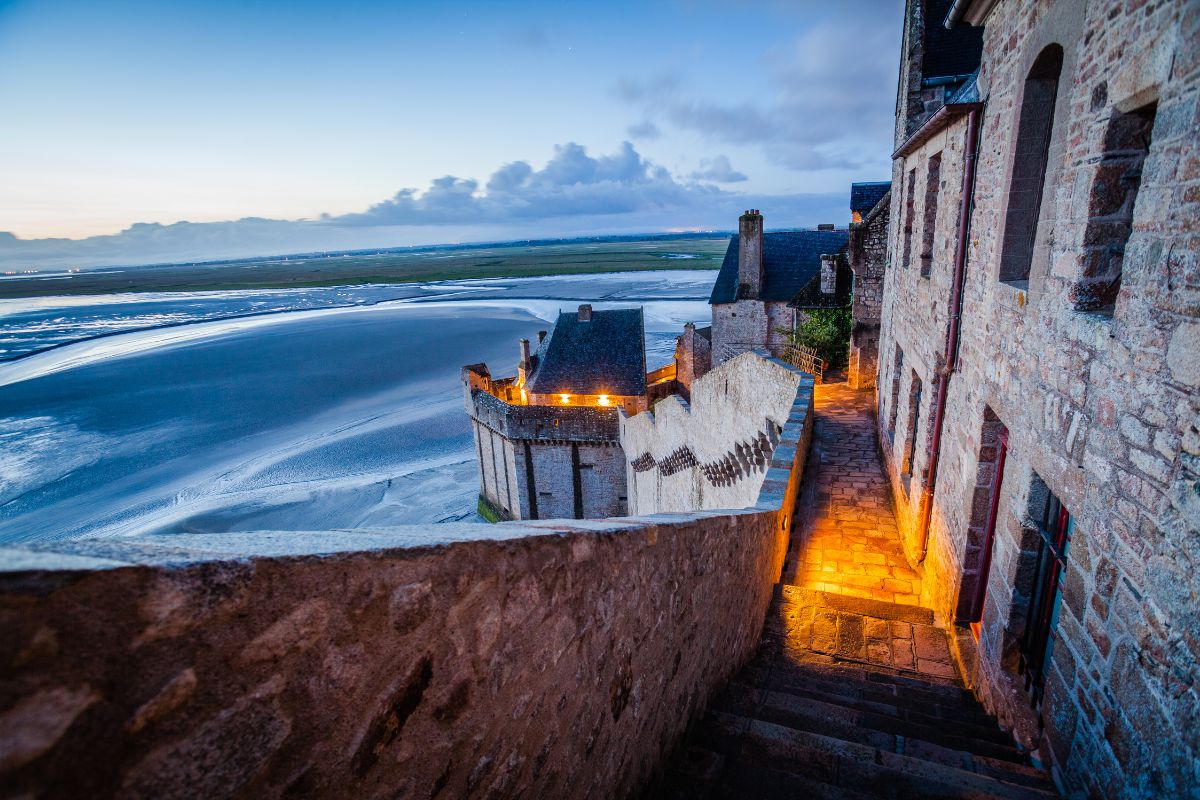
<point x="805" y="358"/>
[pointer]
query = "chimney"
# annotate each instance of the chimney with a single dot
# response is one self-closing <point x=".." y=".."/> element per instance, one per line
<point x="541" y="336"/>
<point x="750" y="246"/>
<point x="524" y="354"/>
<point x="826" y="226"/>
<point x="828" y="274"/>
<point x="585" y="313"/>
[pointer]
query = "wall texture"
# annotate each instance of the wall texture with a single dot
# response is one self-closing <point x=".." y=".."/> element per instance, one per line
<point x="1102" y="409"/>
<point x="867" y="251"/>
<point x="746" y="325"/>
<point x="745" y="416"/>
<point x="550" y="659"/>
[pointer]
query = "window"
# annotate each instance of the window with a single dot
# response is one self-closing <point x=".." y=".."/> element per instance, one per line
<point x="897" y="371"/>
<point x="981" y="530"/>
<point x="914" y="429"/>
<point x="1054" y="529"/>
<point x="933" y="183"/>
<point x="1030" y="155"/>
<point x="909" y="199"/>
<point x="1110" y="208"/>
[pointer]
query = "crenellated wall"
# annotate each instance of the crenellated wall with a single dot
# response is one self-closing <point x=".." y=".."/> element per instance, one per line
<point x="746" y="417"/>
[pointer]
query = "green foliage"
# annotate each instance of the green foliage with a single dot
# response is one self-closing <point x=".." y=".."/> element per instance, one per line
<point x="827" y="330"/>
<point x="487" y="511"/>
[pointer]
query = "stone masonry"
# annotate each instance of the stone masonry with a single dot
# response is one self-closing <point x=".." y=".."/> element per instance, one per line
<point x="867" y="251"/>
<point x="1080" y="356"/>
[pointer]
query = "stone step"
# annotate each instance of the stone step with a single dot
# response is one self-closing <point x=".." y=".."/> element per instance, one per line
<point x="741" y="781"/>
<point x="867" y="698"/>
<point x="948" y="747"/>
<point x="869" y="683"/>
<point x="855" y="605"/>
<point x="849" y="765"/>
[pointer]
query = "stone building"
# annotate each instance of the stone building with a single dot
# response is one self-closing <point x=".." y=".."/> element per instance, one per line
<point x="547" y="440"/>
<point x="1038" y="390"/>
<point x="768" y="280"/>
<point x="870" y="204"/>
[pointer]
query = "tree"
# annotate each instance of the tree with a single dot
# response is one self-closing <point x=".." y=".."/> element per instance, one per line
<point x="826" y="330"/>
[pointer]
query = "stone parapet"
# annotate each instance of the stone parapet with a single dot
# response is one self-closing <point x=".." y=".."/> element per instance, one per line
<point x="545" y="423"/>
<point x="543" y="659"/>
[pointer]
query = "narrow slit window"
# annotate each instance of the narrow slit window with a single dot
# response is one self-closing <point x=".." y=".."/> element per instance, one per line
<point x="893" y="406"/>
<point x="1031" y="152"/>
<point x="1054" y="529"/>
<point x="909" y="202"/>
<point x="982" y="514"/>
<point x="933" y="184"/>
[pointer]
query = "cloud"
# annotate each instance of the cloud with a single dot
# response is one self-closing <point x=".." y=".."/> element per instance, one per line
<point x="718" y="169"/>
<point x="643" y="130"/>
<point x="824" y="102"/>
<point x="574" y="193"/>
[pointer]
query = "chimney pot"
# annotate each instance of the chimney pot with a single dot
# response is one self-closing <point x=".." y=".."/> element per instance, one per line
<point x="541" y="336"/>
<point x="826" y="226"/>
<point x="524" y="353"/>
<point x="585" y="313"/>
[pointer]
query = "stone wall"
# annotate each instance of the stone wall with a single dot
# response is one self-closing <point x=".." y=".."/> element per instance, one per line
<point x="547" y="659"/>
<point x="1101" y="409"/>
<point x="867" y="252"/>
<point x="748" y="421"/>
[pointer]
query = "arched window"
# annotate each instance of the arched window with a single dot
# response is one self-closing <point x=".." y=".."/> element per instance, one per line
<point x="1030" y="153"/>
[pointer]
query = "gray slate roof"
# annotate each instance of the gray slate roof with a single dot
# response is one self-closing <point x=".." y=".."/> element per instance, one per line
<point x="604" y="356"/>
<point x="790" y="260"/>
<point x="864" y="196"/>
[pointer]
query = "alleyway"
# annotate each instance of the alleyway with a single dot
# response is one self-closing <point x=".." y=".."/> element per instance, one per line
<point x="845" y="539"/>
<point x="853" y="692"/>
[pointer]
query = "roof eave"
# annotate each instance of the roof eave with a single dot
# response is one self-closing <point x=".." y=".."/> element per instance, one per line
<point x="941" y="118"/>
<point x="973" y="12"/>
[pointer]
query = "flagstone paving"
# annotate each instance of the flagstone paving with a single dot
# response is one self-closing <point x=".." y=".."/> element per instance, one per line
<point x="846" y="540"/>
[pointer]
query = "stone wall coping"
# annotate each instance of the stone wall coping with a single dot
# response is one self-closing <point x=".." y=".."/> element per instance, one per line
<point x="182" y="550"/>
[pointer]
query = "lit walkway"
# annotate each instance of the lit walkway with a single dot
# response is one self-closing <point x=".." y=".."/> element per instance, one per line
<point x="846" y="540"/>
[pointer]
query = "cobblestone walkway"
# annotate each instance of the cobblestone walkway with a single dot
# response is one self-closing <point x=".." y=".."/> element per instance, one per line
<point x="846" y="541"/>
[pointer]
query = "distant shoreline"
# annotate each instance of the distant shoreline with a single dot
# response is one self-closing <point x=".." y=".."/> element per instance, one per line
<point x="405" y="265"/>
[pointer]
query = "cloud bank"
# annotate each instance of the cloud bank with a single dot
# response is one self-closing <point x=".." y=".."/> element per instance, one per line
<point x="573" y="194"/>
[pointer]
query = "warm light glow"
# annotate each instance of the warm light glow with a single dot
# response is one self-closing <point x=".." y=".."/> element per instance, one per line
<point x="524" y="397"/>
<point x="604" y="401"/>
<point x="566" y="398"/>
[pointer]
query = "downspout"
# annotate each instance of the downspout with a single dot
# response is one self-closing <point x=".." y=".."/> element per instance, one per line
<point x="950" y="360"/>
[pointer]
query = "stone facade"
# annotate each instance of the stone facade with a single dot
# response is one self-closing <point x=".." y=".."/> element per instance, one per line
<point x="867" y="253"/>
<point x="545" y="461"/>
<point x="746" y="418"/>
<point x="520" y="659"/>
<point x="746" y="325"/>
<point x="1055" y="394"/>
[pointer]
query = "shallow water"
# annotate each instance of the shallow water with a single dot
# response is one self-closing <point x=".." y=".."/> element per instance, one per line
<point x="313" y="417"/>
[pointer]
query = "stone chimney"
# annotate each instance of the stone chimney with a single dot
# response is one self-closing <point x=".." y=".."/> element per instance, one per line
<point x="750" y="254"/>
<point x="828" y="274"/>
<point x="826" y="226"/>
<point x="541" y="336"/>
<point x="524" y="364"/>
<point x="585" y="313"/>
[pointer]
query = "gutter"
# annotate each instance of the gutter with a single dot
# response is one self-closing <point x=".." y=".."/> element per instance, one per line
<point x="940" y="119"/>
<point x="953" y="328"/>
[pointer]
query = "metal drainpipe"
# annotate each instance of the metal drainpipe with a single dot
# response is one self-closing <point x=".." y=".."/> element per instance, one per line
<point x="951" y="354"/>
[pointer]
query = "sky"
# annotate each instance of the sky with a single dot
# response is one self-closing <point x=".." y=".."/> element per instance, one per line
<point x="139" y="132"/>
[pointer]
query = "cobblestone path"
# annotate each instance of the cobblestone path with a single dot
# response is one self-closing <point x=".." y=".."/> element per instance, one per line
<point x="846" y="540"/>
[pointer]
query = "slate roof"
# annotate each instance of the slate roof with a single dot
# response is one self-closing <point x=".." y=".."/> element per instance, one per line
<point x="604" y="356"/>
<point x="949" y="52"/>
<point x="864" y="196"/>
<point x="790" y="260"/>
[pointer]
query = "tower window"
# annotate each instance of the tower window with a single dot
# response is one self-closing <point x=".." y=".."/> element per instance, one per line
<point x="909" y="200"/>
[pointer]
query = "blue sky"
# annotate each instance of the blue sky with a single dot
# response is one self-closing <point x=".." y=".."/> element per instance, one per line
<point x="143" y="131"/>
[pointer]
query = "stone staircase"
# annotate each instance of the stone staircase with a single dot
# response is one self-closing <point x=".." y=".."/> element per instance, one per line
<point x="823" y="711"/>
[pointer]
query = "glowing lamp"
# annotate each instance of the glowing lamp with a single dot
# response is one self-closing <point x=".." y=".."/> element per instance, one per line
<point x="604" y="401"/>
<point x="566" y="398"/>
